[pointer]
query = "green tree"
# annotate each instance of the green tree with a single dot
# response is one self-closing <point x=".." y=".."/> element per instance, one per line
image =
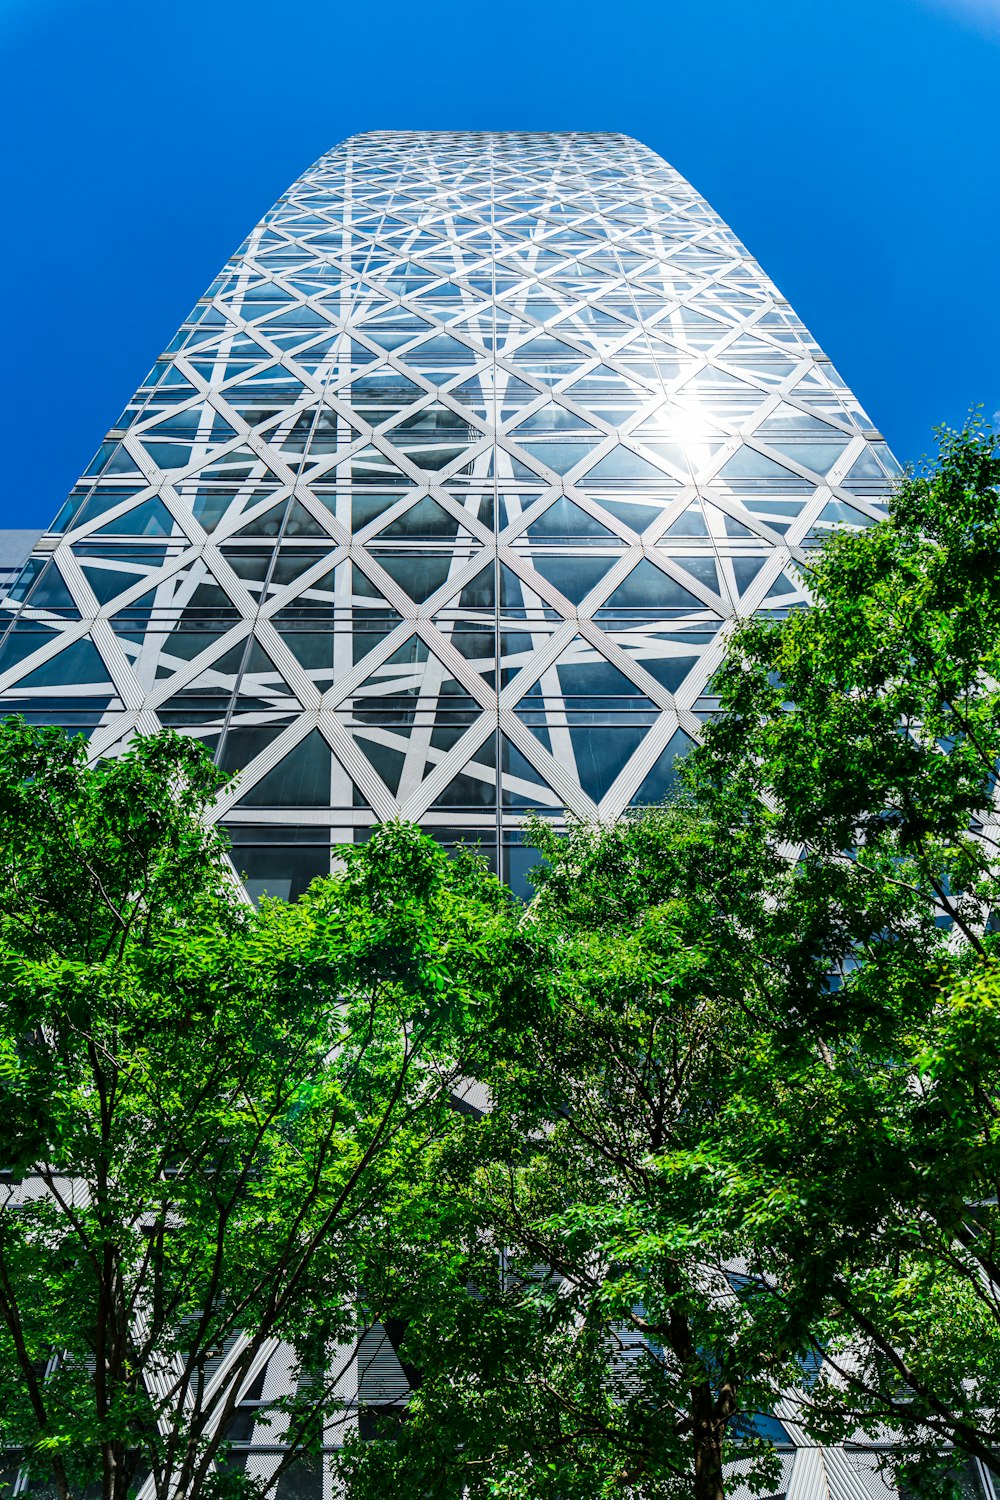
<point x="208" y="1112"/>
<point x="870" y="725"/>
<point x="744" y="1135"/>
<point x="588" y="1328"/>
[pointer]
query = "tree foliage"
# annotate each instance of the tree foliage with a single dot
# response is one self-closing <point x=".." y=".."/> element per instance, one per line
<point x="607" y="1331"/>
<point x="207" y="1111"/>
<point x="737" y="1161"/>
<point x="870" y="726"/>
<point x="743" y="1150"/>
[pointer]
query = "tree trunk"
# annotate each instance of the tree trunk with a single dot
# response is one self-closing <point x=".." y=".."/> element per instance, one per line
<point x="709" y="1481"/>
<point x="116" y="1474"/>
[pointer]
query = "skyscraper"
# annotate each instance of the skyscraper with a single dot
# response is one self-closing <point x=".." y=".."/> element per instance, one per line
<point x="442" y="504"/>
<point x="444" y="499"/>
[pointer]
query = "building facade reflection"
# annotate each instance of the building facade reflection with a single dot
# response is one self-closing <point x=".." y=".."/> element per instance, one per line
<point x="444" y="500"/>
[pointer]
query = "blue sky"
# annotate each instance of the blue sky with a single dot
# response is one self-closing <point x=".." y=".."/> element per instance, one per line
<point x="853" y="147"/>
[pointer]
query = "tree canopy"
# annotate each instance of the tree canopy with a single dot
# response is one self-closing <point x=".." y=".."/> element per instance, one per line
<point x="869" y="725"/>
<point x="740" y="1177"/>
<point x="732" y="1180"/>
<point x="207" y="1111"/>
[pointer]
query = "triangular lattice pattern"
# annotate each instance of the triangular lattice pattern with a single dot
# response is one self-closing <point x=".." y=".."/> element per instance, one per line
<point x="444" y="499"/>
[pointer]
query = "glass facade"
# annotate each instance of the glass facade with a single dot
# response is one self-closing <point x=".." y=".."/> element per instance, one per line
<point x="15" y="549"/>
<point x="442" y="504"/>
<point x="443" y="501"/>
